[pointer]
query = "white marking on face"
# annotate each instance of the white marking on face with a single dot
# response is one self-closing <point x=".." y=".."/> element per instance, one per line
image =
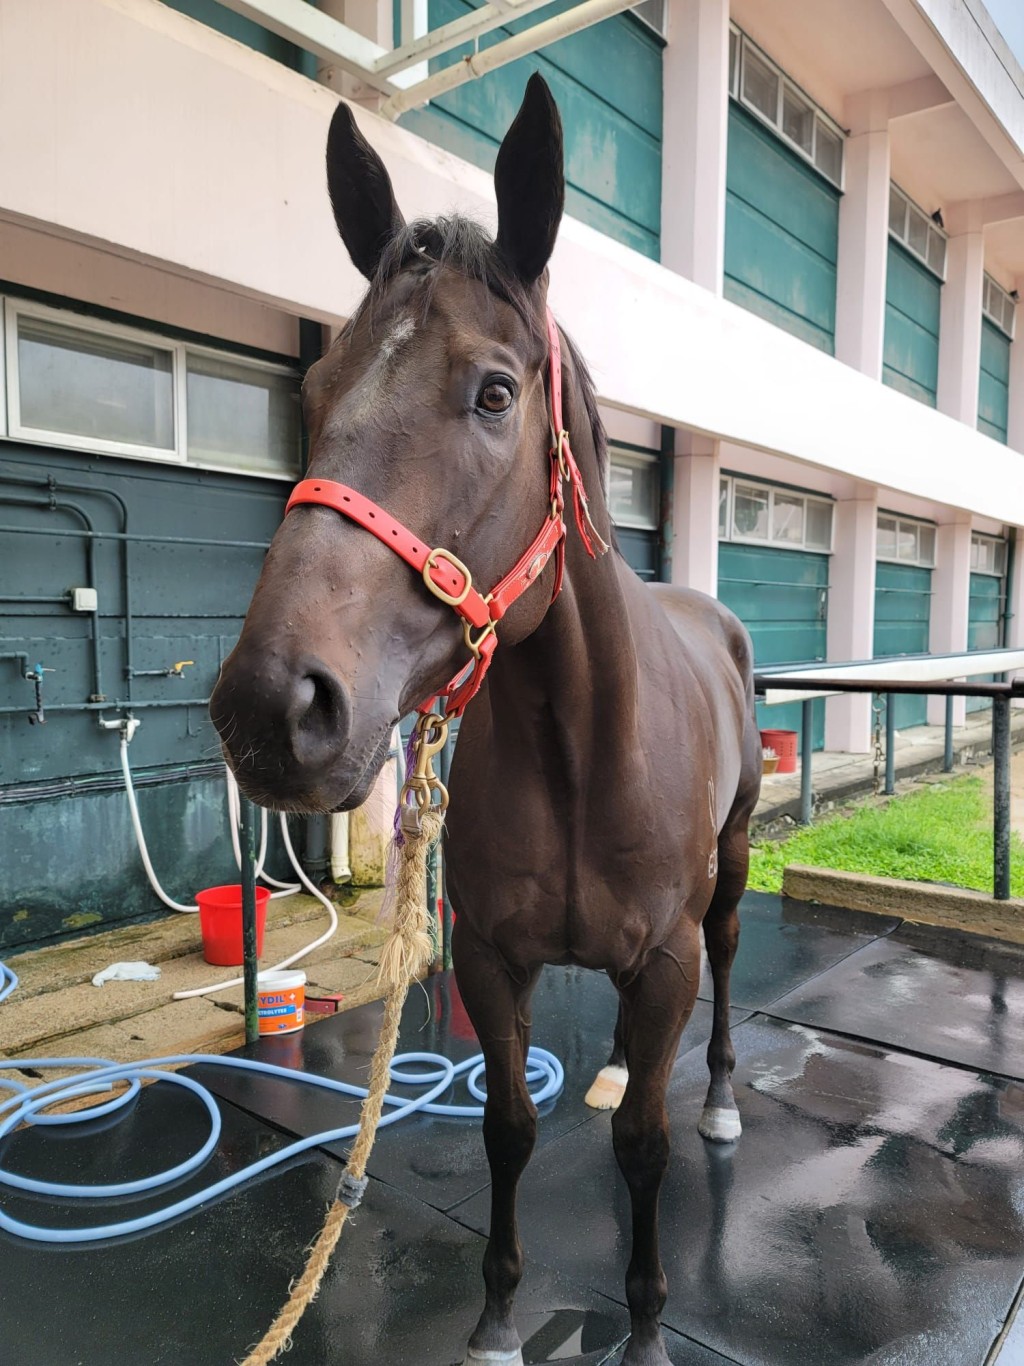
<point x="371" y="391"/>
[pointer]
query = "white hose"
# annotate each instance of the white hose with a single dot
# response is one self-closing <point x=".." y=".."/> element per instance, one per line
<point x="233" y="822"/>
<point x="140" y="838"/>
<point x="292" y="958"/>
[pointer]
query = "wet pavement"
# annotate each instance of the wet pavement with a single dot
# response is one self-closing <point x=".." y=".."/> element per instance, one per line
<point x="872" y="1212"/>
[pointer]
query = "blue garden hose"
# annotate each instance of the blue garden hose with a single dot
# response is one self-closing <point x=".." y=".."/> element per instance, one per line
<point x="28" y="1105"/>
<point x="8" y="982"/>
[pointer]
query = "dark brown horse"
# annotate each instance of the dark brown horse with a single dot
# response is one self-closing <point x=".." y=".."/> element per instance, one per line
<point x="605" y="774"/>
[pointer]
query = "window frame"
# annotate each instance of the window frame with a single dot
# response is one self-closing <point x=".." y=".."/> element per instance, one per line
<point x="737" y="66"/>
<point x="764" y="486"/>
<point x="637" y="459"/>
<point x="917" y="522"/>
<point x="13" y="307"/>
<point x="982" y="538"/>
<point x="991" y="285"/>
<point x="40" y="436"/>
<point x="904" y="238"/>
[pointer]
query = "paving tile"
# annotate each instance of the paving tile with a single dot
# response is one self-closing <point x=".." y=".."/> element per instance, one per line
<point x="439" y="1160"/>
<point x="958" y="997"/>
<point x="784" y="943"/>
<point x="403" y="1287"/>
<point x="873" y="1210"/>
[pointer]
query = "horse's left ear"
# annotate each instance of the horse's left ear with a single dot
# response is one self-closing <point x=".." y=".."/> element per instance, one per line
<point x="530" y="183"/>
<point x="363" y="201"/>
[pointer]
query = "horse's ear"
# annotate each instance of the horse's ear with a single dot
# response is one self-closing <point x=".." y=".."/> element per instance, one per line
<point x="530" y="183"/>
<point x="361" y="195"/>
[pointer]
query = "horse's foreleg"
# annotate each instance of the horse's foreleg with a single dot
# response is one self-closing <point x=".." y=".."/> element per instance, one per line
<point x="720" y="1119"/>
<point x="656" y="1006"/>
<point x="498" y="1007"/>
<point x="609" y="1086"/>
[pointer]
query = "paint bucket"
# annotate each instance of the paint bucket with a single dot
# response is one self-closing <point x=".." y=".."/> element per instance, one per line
<point x="783" y="742"/>
<point x="282" y="1001"/>
<point x="220" y="920"/>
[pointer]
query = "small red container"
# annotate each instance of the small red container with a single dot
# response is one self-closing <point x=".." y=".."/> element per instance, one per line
<point x="220" y="920"/>
<point x="783" y="742"/>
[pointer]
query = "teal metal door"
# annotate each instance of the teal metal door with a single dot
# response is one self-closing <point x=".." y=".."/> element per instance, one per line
<point x="903" y="599"/>
<point x="781" y="234"/>
<point x="910" y="361"/>
<point x="983" y="625"/>
<point x="994" y="381"/>
<point x="607" y="80"/>
<point x="781" y="596"/>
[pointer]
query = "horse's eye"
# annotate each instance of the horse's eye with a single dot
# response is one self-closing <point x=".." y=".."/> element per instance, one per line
<point x="495" y="397"/>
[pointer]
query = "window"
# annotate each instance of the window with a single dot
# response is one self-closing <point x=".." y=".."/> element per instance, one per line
<point x="903" y="541"/>
<point x="78" y="381"/>
<point x="91" y="385"/>
<point x="912" y="227"/>
<point x="634" y="490"/>
<point x="758" y="83"/>
<point x="749" y="511"/>
<point x="998" y="306"/>
<point x="238" y="413"/>
<point x="988" y="555"/>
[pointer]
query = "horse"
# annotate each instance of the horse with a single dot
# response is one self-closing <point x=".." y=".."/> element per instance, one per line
<point x="609" y="762"/>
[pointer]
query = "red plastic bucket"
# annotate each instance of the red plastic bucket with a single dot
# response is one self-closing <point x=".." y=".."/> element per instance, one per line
<point x="220" y="920"/>
<point x="783" y="742"/>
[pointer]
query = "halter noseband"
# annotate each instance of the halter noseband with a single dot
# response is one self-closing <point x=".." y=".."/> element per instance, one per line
<point x="444" y="573"/>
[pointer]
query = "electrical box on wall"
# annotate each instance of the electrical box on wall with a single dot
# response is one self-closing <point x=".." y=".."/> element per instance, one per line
<point x="84" y="599"/>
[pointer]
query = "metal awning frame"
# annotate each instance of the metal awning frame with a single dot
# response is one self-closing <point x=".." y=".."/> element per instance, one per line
<point x="391" y="72"/>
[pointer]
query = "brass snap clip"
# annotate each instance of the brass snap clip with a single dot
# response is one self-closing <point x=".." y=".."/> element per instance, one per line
<point x="421" y="782"/>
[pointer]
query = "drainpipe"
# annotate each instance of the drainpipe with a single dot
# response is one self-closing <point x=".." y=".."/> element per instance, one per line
<point x="1009" y="607"/>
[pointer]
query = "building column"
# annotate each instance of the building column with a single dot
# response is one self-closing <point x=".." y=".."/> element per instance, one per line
<point x="851" y="614"/>
<point x="695" y="130"/>
<point x="864" y="237"/>
<point x="1015" y="596"/>
<point x="951" y="600"/>
<point x="694" y="514"/>
<point x="370" y="18"/>
<point x="1015" y="422"/>
<point x="960" y="328"/>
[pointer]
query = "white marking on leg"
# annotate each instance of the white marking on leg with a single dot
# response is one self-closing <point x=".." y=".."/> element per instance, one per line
<point x="608" y="1089"/>
<point x="719" y="1125"/>
<point x="505" y="1358"/>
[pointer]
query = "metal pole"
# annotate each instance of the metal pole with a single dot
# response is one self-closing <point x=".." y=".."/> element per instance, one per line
<point x="1001" y="796"/>
<point x="250" y="964"/>
<point x="890" y="746"/>
<point x="806" y="746"/>
<point x="947" y="757"/>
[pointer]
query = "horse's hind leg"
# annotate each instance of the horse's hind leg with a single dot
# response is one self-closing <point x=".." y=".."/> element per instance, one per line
<point x="656" y="1006"/>
<point x="498" y="1007"/>
<point x="720" y="1120"/>
<point x="609" y="1085"/>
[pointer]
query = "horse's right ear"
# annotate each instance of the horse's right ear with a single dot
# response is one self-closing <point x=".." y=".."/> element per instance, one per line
<point x="361" y="195"/>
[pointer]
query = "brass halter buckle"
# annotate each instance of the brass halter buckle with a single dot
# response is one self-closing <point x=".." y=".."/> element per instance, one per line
<point x="421" y="783"/>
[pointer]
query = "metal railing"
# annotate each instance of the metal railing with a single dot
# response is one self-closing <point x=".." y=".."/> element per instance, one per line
<point x="925" y="675"/>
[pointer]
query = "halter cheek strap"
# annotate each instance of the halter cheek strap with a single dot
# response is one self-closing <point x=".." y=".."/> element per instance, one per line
<point x="446" y="576"/>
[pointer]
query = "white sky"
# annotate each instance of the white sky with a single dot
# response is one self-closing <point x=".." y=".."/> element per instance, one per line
<point x="1009" y="19"/>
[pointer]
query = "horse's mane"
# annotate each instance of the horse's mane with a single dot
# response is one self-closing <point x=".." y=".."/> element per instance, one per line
<point x="463" y="245"/>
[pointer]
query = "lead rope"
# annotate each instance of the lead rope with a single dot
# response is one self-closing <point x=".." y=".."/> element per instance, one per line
<point x="405" y="955"/>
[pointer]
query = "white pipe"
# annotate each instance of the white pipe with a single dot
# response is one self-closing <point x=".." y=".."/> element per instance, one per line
<point x="470" y="68"/>
<point x="292" y="958"/>
<point x="931" y="669"/>
<point x="140" y="839"/>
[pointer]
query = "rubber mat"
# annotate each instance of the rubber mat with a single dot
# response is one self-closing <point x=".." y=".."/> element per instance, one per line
<point x="873" y="1210"/>
<point x="439" y="1160"/>
<point x="958" y="997"/>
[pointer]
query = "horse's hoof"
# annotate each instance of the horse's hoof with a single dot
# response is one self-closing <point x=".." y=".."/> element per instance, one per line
<point x="608" y="1089"/>
<point x="719" y="1125"/>
<point x="476" y="1357"/>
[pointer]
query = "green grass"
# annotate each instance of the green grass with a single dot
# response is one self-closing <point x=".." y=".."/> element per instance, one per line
<point x="942" y="833"/>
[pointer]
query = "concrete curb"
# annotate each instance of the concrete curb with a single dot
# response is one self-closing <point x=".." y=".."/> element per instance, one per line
<point x="926" y="903"/>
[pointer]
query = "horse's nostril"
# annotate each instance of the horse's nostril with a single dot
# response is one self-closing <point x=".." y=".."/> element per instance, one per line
<point x="319" y="714"/>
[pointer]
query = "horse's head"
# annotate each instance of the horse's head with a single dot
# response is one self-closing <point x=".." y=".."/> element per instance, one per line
<point x="432" y="403"/>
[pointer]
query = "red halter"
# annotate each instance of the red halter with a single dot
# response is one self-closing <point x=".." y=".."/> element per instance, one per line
<point x="445" y="574"/>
